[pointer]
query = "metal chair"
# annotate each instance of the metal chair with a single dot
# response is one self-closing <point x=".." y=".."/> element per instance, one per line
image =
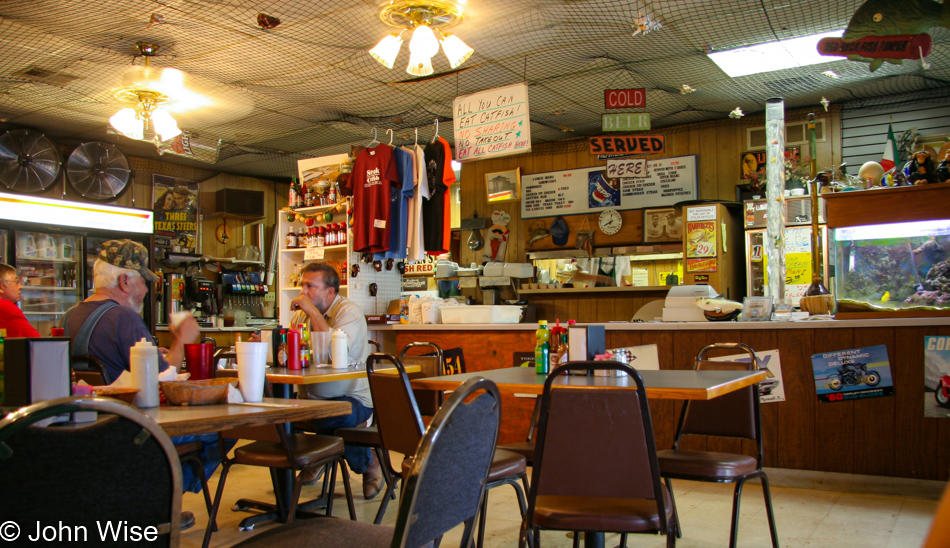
<point x="121" y="467"/>
<point x="456" y="450"/>
<point x="400" y="427"/>
<point x="274" y="448"/>
<point x="734" y="415"/>
<point x="595" y="467"/>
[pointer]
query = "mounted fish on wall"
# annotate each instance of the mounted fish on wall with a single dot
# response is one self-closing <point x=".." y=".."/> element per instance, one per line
<point x="887" y="31"/>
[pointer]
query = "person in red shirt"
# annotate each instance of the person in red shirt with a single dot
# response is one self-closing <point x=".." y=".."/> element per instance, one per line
<point x="11" y="317"/>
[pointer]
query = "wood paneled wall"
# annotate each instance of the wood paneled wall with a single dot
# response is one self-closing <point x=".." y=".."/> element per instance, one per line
<point x="887" y="436"/>
<point x="717" y="144"/>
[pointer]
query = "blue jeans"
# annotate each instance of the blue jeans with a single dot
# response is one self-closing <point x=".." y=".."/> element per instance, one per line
<point x="210" y="457"/>
<point x="357" y="457"/>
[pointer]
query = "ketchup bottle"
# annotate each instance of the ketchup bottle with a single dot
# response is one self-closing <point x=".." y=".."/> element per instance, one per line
<point x="293" y="349"/>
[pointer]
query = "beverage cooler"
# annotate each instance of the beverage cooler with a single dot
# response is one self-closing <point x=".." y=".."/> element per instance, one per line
<point x="798" y="249"/>
<point x="53" y="245"/>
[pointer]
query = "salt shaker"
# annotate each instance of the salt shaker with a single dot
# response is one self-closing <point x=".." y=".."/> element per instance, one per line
<point x="143" y="364"/>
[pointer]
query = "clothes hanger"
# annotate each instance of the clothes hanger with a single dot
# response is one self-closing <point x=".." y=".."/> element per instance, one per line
<point x="436" y="136"/>
<point x="417" y="137"/>
<point x="374" y="142"/>
<point x="391" y="133"/>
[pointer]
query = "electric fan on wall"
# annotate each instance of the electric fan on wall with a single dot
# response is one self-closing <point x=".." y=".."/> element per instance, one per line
<point x="29" y="162"/>
<point x="98" y="171"/>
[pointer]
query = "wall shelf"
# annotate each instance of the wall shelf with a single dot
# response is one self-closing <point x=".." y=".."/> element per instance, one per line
<point x="568" y="290"/>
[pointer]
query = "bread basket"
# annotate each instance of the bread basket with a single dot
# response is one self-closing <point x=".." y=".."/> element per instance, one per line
<point x="203" y="392"/>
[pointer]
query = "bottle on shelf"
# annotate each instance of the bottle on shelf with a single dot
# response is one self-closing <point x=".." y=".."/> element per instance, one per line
<point x="321" y="237"/>
<point x="331" y="194"/>
<point x="307" y="196"/>
<point x="291" y="238"/>
<point x="542" y="350"/>
<point x="292" y="193"/>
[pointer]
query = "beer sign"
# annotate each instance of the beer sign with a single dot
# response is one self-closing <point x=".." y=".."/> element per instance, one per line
<point x="625" y="98"/>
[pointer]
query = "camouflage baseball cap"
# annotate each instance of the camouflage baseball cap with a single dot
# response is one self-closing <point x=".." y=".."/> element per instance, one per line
<point x="128" y="254"/>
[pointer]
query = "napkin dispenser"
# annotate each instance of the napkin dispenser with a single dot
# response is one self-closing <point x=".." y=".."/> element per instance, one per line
<point x="35" y="370"/>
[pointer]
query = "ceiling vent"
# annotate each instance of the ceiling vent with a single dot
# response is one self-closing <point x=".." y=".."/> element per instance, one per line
<point x="795" y="134"/>
<point x="44" y="76"/>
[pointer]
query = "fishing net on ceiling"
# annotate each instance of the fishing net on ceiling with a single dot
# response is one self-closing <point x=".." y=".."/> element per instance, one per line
<point x="307" y="87"/>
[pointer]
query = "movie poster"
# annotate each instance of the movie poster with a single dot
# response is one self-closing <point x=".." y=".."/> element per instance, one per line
<point x="176" y="214"/>
<point x="852" y="374"/>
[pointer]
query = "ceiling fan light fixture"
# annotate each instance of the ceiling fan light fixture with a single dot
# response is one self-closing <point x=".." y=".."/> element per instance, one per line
<point x="456" y="51"/>
<point x="387" y="49"/>
<point x="165" y="126"/>
<point x="422" y="18"/>
<point x="127" y="122"/>
<point x="419" y="65"/>
<point x="423" y="42"/>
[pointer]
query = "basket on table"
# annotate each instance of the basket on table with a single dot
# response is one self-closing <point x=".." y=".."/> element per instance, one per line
<point x="203" y="392"/>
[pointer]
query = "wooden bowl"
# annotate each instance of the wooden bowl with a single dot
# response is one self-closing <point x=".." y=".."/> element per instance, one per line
<point x="122" y="394"/>
<point x="204" y="392"/>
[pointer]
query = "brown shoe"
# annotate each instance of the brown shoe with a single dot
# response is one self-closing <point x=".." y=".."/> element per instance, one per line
<point x="312" y="476"/>
<point x="372" y="478"/>
<point x="187" y="520"/>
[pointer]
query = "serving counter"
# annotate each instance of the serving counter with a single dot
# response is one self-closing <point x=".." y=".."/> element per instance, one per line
<point x="887" y="436"/>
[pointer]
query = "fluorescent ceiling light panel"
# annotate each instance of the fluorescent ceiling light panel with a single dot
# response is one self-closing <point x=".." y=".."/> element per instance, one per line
<point x="16" y="207"/>
<point x="771" y="56"/>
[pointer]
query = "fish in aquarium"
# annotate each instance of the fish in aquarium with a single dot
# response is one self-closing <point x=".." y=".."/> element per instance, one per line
<point x="929" y="253"/>
<point x="879" y="271"/>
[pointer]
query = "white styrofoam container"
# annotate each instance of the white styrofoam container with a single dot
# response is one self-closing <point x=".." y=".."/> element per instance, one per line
<point x="481" y="314"/>
<point x="518" y="270"/>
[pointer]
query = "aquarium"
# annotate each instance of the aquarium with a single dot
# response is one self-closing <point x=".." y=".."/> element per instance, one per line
<point x="896" y="267"/>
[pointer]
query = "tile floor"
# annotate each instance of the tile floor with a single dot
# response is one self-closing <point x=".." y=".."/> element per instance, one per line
<point x="805" y="517"/>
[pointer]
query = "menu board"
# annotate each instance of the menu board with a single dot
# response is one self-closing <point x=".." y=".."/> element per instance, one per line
<point x="492" y="123"/>
<point x="578" y="191"/>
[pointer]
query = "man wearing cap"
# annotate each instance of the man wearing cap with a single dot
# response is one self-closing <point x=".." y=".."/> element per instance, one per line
<point x="108" y="324"/>
<point x="121" y="277"/>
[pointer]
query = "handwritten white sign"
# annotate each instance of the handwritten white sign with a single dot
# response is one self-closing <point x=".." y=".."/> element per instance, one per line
<point x="313" y="254"/>
<point x="492" y="123"/>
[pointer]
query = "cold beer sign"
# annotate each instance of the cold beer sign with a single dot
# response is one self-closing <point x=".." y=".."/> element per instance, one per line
<point x="625" y="98"/>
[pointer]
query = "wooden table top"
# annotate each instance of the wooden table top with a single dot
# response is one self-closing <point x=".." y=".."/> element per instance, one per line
<point x="311" y="375"/>
<point x="204" y="419"/>
<point x="662" y="384"/>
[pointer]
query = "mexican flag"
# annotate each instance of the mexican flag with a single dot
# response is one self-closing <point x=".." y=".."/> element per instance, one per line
<point x="890" y="150"/>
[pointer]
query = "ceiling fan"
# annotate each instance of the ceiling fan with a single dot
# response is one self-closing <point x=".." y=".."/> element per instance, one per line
<point x="158" y="99"/>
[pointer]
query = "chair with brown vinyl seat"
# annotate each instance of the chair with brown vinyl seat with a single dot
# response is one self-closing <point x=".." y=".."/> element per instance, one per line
<point x="400" y="427"/>
<point x="274" y="448"/>
<point x="455" y="451"/>
<point x="595" y="467"/>
<point x="734" y="415"/>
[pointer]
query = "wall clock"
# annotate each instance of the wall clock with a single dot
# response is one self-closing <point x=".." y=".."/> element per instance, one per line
<point x="610" y="222"/>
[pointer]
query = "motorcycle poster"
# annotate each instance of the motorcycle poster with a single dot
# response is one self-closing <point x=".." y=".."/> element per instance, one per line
<point x="852" y="374"/>
<point x="772" y="388"/>
<point x="937" y="377"/>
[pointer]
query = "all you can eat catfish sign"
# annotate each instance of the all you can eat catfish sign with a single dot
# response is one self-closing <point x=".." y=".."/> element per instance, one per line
<point x="492" y="123"/>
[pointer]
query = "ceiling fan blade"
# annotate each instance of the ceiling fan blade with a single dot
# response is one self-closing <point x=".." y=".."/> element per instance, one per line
<point x="29" y="162"/>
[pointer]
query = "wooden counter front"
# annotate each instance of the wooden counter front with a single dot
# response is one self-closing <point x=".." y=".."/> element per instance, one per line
<point x="886" y="436"/>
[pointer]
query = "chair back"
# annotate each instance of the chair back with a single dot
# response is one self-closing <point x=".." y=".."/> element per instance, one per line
<point x="397" y="415"/>
<point x="735" y="414"/>
<point x="599" y="444"/>
<point x="120" y="467"/>
<point x="89" y="369"/>
<point x="447" y="480"/>
<point x="432" y="365"/>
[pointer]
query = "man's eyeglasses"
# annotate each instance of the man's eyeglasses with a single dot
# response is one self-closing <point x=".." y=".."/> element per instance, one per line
<point x="14" y="281"/>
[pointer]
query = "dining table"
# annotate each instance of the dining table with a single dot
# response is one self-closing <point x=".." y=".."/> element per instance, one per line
<point x="676" y="384"/>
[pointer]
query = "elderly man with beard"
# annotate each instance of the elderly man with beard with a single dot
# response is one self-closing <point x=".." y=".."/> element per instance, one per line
<point x="108" y="324"/>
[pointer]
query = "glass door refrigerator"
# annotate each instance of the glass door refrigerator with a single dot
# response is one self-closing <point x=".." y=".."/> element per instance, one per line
<point x="53" y="244"/>
<point x="798" y="248"/>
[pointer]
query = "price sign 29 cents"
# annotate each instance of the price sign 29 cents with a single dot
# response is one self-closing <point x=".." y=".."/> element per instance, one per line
<point x="631" y="168"/>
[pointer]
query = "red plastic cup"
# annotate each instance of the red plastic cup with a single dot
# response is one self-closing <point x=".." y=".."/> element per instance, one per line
<point x="199" y="361"/>
<point x="57" y="332"/>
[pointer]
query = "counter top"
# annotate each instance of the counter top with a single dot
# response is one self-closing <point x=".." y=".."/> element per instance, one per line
<point x="677" y="326"/>
<point x="242" y="329"/>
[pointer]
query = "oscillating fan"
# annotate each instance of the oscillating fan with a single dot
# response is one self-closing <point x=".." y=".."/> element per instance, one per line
<point x="29" y="162"/>
<point x="98" y="171"/>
